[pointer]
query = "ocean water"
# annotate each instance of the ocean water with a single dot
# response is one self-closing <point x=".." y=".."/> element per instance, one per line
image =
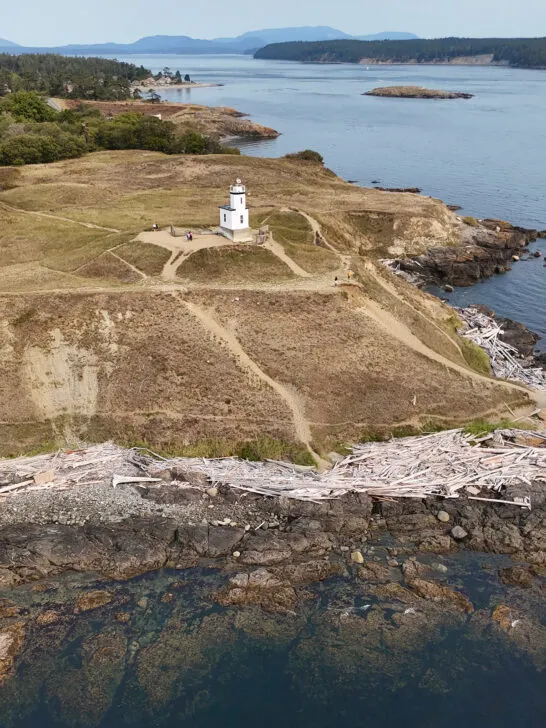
<point x="487" y="154"/>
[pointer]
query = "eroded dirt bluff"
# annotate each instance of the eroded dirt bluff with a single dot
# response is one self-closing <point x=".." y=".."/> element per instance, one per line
<point x="294" y="366"/>
<point x="106" y="335"/>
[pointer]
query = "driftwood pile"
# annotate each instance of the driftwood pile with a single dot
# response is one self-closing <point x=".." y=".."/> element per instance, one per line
<point x="485" y="332"/>
<point x="447" y="464"/>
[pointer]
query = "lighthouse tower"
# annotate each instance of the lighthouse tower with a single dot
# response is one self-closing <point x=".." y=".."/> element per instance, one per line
<point x="234" y="217"/>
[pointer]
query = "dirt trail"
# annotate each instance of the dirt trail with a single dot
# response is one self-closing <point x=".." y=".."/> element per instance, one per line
<point x="220" y="332"/>
<point x="129" y="265"/>
<point x="393" y="292"/>
<point x="400" y="331"/>
<point x="90" y="225"/>
<point x="278" y="251"/>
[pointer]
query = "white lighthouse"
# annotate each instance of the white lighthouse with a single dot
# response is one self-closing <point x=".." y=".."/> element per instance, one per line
<point x="234" y="217"/>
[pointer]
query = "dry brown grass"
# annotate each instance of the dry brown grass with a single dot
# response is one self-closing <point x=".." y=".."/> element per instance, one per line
<point x="148" y="258"/>
<point x="133" y="362"/>
<point x="29" y="238"/>
<point x="109" y="268"/>
<point x="295" y="234"/>
<point x="150" y="184"/>
<point x="160" y="376"/>
<point x="350" y="373"/>
<point x="234" y="264"/>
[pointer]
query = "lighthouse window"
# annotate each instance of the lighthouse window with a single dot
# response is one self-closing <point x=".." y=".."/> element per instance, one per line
<point x="225" y="218"/>
<point x="242" y="219"/>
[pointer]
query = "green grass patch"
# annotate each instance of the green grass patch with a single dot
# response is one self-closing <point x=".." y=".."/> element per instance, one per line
<point x="264" y="448"/>
<point x="482" y="427"/>
<point x="312" y="258"/>
<point x="475" y="356"/>
<point x="470" y="221"/>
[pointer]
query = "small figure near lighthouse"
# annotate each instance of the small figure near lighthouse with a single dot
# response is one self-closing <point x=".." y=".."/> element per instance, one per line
<point x="234" y="223"/>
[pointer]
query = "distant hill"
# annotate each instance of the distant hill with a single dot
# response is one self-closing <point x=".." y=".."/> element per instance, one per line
<point x="517" y="52"/>
<point x="8" y="44"/>
<point x="183" y="44"/>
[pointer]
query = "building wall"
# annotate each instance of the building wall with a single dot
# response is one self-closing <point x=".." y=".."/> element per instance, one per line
<point x="237" y="220"/>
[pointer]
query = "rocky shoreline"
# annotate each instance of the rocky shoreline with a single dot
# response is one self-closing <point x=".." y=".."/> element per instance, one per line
<point x="488" y="247"/>
<point x="270" y="553"/>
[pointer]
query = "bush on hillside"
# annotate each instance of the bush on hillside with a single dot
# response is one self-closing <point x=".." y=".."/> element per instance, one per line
<point x="27" y="106"/>
<point x="308" y="155"/>
<point x="38" y="148"/>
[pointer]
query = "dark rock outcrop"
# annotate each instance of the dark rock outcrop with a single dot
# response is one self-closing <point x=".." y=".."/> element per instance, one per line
<point x="488" y="248"/>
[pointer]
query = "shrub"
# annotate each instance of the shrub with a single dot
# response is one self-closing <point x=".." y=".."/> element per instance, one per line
<point x="308" y="155"/>
<point x="28" y="106"/>
<point x="37" y="148"/>
<point x="470" y="221"/>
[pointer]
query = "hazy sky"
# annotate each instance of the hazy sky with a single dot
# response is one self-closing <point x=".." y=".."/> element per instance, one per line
<point x="54" y="22"/>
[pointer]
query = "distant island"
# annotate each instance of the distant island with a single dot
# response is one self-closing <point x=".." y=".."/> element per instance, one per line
<point x="515" y="52"/>
<point x="246" y="43"/>
<point x="415" y="92"/>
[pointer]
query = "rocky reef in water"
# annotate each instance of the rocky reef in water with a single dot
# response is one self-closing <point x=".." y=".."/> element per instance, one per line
<point x="392" y="554"/>
<point x="415" y="92"/>
<point x="143" y="646"/>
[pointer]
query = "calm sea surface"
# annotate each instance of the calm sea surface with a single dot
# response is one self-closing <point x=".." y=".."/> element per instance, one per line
<point x="487" y="154"/>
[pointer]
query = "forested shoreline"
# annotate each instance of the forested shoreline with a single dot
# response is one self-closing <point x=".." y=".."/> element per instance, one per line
<point x="517" y="52"/>
<point x="97" y="79"/>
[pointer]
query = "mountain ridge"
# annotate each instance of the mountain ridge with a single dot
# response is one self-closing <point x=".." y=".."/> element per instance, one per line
<point x="183" y="44"/>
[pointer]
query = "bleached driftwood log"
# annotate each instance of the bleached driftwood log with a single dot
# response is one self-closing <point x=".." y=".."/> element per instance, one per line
<point x="485" y="332"/>
<point x="446" y="464"/>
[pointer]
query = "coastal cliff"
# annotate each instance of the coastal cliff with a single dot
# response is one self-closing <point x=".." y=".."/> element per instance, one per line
<point x="486" y="247"/>
<point x="226" y="347"/>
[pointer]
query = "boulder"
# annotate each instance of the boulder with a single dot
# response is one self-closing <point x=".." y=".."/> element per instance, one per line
<point x="92" y="600"/>
<point x="459" y="533"/>
<point x="517" y="576"/>
<point x="48" y="617"/>
<point x="439" y="593"/>
<point x="222" y="540"/>
<point x="11" y="642"/>
<point x="8" y="609"/>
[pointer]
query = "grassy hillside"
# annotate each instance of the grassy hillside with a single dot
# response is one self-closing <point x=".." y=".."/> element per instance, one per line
<point x="220" y="348"/>
<point x="520" y="52"/>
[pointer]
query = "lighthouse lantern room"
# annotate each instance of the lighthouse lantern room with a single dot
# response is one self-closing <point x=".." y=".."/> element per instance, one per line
<point x="234" y="217"/>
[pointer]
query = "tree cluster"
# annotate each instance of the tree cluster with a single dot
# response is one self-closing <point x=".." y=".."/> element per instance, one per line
<point x="31" y="132"/>
<point x="69" y="77"/>
<point x="520" y="52"/>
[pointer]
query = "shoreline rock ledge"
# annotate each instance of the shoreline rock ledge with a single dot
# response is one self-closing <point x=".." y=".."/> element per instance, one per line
<point x="415" y="92"/>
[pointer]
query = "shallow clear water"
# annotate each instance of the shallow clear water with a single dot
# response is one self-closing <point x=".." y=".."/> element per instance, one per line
<point x="487" y="154"/>
<point x="183" y="661"/>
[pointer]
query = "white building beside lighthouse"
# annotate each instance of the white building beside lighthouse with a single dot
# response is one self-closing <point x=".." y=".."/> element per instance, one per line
<point x="234" y="222"/>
